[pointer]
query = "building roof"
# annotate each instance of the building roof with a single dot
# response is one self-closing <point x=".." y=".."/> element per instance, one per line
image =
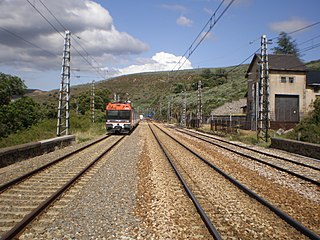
<point x="283" y="62"/>
<point x="313" y="78"/>
<point x="286" y="62"/>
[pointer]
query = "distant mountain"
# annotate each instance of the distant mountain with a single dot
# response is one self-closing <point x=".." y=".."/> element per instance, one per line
<point x="34" y="92"/>
<point x="314" y="65"/>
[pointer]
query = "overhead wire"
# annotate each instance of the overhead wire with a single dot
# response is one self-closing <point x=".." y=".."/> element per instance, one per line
<point x="38" y="11"/>
<point x="294" y="31"/>
<point x="299" y="29"/>
<point x="59" y="22"/>
<point x="80" y="54"/>
<point x="28" y="42"/>
<point x="212" y="21"/>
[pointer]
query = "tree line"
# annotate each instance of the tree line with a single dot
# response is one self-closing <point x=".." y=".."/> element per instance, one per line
<point x="18" y="112"/>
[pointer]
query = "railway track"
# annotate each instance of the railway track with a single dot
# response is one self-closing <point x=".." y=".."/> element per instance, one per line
<point x="309" y="172"/>
<point x="26" y="197"/>
<point x="194" y="170"/>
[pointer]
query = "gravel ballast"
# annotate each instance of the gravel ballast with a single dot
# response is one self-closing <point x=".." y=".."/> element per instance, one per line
<point x="134" y="194"/>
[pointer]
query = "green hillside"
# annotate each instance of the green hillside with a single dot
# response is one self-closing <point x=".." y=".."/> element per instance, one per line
<point x="151" y="91"/>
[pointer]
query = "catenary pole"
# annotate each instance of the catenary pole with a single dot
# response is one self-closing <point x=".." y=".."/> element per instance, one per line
<point x="64" y="93"/>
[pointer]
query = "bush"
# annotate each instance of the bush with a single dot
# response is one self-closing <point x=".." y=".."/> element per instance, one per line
<point x="308" y="130"/>
<point x="19" y="115"/>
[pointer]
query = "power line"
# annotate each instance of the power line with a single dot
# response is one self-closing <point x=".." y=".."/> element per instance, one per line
<point x="51" y="13"/>
<point x="34" y="7"/>
<point x="30" y="43"/>
<point x="211" y="22"/>
<point x="300" y="29"/>
<point x="64" y="28"/>
<point x="309" y="48"/>
<point x="243" y="61"/>
<point x="81" y="55"/>
<point x="301" y="51"/>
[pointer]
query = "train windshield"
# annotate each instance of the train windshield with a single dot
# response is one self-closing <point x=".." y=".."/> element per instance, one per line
<point x="118" y="115"/>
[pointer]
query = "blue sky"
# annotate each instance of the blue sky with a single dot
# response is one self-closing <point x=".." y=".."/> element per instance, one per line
<point x="123" y="36"/>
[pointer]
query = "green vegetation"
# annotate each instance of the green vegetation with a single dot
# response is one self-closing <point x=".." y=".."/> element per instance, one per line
<point x="23" y="119"/>
<point x="151" y="92"/>
<point x="286" y="45"/>
<point x="10" y="86"/>
<point x="31" y="119"/>
<point x="81" y="126"/>
<point x="308" y="130"/>
<point x="19" y="114"/>
<point x="314" y="65"/>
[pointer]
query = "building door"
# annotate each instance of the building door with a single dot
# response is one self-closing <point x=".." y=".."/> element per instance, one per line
<point x="287" y="108"/>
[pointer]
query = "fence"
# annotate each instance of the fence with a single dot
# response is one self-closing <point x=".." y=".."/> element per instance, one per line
<point x="228" y="123"/>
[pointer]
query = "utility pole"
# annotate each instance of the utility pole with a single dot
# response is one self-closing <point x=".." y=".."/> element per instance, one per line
<point x="64" y="93"/>
<point x="184" y="108"/>
<point x="92" y="102"/>
<point x="169" y="112"/>
<point x="264" y="113"/>
<point x="199" y="106"/>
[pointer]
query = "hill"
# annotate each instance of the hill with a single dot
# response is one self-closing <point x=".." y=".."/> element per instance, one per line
<point x="151" y="92"/>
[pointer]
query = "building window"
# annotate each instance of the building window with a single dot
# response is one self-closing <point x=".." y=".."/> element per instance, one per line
<point x="283" y="80"/>
<point x="291" y="79"/>
<point x="287" y="79"/>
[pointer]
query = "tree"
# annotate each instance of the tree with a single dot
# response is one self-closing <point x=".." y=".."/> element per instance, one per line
<point x="83" y="101"/>
<point x="9" y="86"/>
<point x="19" y="115"/>
<point x="309" y="127"/>
<point x="286" y="45"/>
<point x="206" y="73"/>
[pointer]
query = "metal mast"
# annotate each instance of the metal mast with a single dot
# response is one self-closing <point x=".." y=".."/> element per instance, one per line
<point x="199" y="106"/>
<point x="169" y="112"/>
<point x="184" y="108"/>
<point x="64" y="93"/>
<point x="264" y="120"/>
<point x="92" y="102"/>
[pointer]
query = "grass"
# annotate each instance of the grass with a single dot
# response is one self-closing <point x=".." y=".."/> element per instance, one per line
<point x="80" y="126"/>
<point x="244" y="136"/>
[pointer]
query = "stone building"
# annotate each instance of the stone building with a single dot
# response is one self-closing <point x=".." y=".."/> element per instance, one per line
<point x="292" y="90"/>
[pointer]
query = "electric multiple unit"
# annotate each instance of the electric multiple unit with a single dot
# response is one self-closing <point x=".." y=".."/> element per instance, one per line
<point x="121" y="117"/>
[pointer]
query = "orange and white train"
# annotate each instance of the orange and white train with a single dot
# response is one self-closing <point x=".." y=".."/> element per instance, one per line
<point x="121" y="117"/>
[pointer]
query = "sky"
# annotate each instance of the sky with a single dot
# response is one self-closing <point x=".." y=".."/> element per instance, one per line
<point x="118" y="37"/>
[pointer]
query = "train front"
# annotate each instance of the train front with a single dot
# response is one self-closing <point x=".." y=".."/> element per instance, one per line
<point x="118" y="118"/>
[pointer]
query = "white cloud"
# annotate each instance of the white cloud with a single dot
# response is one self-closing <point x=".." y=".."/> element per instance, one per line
<point x="288" y="25"/>
<point x="208" y="10"/>
<point x="159" y="62"/>
<point x="184" y="21"/>
<point x="175" y="7"/>
<point x="90" y="24"/>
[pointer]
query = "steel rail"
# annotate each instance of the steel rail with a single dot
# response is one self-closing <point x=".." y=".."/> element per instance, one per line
<point x="250" y="149"/>
<point x="292" y="222"/>
<point x="261" y="161"/>
<point x="196" y="203"/>
<point x="29" y="174"/>
<point x="18" y="228"/>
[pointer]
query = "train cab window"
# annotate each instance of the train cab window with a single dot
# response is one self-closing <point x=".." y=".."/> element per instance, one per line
<point x="118" y="115"/>
<point x="112" y="114"/>
<point x="124" y="114"/>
